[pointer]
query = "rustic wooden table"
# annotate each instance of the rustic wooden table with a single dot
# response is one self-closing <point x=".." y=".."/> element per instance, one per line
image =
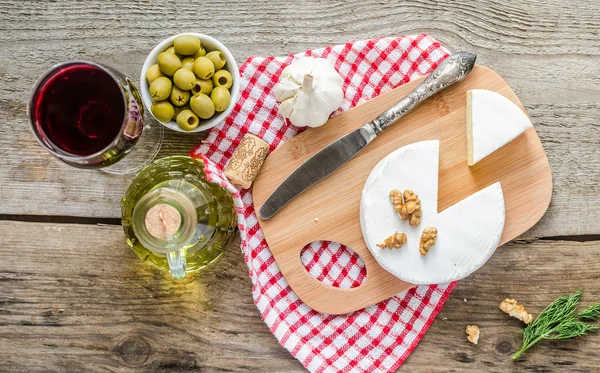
<point x="74" y="298"/>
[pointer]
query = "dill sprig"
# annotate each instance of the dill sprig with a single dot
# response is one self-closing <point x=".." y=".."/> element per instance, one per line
<point x="560" y="321"/>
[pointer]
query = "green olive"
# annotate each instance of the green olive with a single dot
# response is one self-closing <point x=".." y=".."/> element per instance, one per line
<point x="152" y="73"/>
<point x="160" y="88"/>
<point x="179" y="97"/>
<point x="186" y="44"/>
<point x="184" y="79"/>
<point x="163" y="111"/>
<point x="201" y="52"/>
<point x="221" y="98"/>
<point x="222" y="78"/>
<point x="203" y="86"/>
<point x="217" y="58"/>
<point x="202" y="105"/>
<point x="172" y="50"/>
<point x="204" y="68"/>
<point x="179" y="109"/>
<point x="168" y="63"/>
<point x="188" y="63"/>
<point x="187" y="120"/>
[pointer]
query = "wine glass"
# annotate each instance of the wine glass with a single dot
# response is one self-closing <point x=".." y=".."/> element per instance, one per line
<point x="91" y="116"/>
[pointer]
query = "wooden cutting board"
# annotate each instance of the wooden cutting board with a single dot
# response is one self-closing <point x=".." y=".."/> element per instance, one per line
<point x="521" y="167"/>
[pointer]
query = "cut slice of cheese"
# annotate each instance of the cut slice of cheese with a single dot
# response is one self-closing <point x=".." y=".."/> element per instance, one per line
<point x="468" y="232"/>
<point x="492" y="122"/>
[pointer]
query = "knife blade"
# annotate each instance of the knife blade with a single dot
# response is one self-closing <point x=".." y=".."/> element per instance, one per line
<point x="333" y="156"/>
<point x="317" y="167"/>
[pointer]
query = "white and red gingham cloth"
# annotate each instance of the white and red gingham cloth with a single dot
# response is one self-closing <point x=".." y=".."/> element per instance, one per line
<point x="380" y="337"/>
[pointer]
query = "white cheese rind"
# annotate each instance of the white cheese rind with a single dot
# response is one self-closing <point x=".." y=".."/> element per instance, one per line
<point x="468" y="232"/>
<point x="492" y="122"/>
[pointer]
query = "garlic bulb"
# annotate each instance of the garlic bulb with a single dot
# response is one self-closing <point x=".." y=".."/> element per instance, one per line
<point x="309" y="90"/>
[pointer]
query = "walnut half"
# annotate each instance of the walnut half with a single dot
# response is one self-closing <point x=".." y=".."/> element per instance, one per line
<point x="394" y="241"/>
<point x="472" y="333"/>
<point x="511" y="307"/>
<point x="397" y="202"/>
<point x="412" y="207"/>
<point x="407" y="205"/>
<point x="427" y="240"/>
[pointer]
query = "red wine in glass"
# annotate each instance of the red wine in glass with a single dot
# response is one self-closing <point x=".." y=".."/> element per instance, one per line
<point x="80" y="109"/>
<point x="86" y="114"/>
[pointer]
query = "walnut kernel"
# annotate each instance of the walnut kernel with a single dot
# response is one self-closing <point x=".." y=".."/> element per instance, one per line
<point x="427" y="240"/>
<point x="394" y="241"/>
<point x="396" y="199"/>
<point x="407" y="205"/>
<point x="472" y="333"/>
<point x="511" y="307"/>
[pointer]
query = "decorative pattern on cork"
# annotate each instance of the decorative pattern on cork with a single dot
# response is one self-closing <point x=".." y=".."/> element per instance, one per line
<point x="246" y="161"/>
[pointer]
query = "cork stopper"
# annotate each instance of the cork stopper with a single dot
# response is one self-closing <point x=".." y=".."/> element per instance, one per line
<point x="162" y="221"/>
<point x="246" y="161"/>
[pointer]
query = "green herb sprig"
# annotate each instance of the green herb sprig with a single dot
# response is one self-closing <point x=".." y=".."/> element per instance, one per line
<point x="560" y="321"/>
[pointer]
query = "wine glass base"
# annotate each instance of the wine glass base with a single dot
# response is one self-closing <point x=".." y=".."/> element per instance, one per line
<point x="144" y="151"/>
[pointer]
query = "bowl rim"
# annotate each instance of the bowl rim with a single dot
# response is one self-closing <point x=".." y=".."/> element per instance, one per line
<point x="231" y="66"/>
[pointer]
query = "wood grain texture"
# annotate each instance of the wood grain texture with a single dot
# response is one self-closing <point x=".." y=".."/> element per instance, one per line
<point x="546" y="50"/>
<point x="510" y="273"/>
<point x="137" y="320"/>
<point x="520" y="166"/>
<point x="77" y="299"/>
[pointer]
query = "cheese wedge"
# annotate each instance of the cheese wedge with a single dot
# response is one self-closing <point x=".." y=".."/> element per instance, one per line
<point x="492" y="122"/>
<point x="468" y="232"/>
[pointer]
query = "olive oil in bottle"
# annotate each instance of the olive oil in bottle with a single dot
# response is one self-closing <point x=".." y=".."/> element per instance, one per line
<point x="176" y="220"/>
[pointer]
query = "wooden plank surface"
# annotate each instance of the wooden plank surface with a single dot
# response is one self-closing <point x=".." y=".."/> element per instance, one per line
<point x="74" y="298"/>
<point x="87" y="303"/>
<point x="90" y="304"/>
<point x="546" y="50"/>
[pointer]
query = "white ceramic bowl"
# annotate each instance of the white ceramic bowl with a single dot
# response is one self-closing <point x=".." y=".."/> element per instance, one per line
<point x="209" y="44"/>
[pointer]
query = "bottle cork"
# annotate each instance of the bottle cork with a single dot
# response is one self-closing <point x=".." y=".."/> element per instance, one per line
<point x="162" y="221"/>
<point x="246" y="161"/>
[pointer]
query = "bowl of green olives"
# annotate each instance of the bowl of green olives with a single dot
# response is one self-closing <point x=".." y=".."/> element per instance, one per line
<point x="190" y="82"/>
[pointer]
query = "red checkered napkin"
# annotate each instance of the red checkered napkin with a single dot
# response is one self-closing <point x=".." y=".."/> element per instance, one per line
<point x="380" y="337"/>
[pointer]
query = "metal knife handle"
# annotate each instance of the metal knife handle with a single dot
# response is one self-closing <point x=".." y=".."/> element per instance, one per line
<point x="450" y="71"/>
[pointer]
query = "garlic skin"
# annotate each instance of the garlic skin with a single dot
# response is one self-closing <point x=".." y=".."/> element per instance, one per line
<point x="309" y="90"/>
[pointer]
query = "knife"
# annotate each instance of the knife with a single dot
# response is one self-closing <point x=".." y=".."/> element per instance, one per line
<point x="334" y="155"/>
